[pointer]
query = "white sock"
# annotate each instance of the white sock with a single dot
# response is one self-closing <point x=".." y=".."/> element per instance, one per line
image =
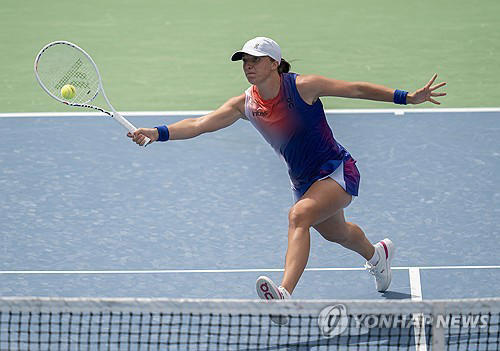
<point x="374" y="260"/>
<point x="286" y="294"/>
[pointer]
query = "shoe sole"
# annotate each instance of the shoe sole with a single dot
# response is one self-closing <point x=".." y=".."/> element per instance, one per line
<point x="266" y="291"/>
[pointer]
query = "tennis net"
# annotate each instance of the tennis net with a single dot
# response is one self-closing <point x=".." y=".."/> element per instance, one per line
<point x="187" y="324"/>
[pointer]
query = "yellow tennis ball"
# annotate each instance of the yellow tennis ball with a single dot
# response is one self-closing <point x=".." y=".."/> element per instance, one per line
<point x="68" y="92"/>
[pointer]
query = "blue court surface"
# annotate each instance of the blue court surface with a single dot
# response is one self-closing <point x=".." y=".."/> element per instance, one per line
<point x="85" y="212"/>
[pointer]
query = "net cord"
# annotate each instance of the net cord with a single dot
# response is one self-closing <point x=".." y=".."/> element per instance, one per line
<point x="234" y="306"/>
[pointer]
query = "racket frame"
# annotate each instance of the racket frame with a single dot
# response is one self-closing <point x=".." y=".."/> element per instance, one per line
<point x="113" y="114"/>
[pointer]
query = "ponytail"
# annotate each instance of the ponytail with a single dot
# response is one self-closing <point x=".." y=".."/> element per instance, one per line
<point x="284" y="66"/>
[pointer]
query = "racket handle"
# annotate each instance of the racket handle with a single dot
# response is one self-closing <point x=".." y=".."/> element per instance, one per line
<point x="120" y="119"/>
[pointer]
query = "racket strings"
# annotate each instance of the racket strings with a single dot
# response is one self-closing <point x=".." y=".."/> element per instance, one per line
<point x="62" y="64"/>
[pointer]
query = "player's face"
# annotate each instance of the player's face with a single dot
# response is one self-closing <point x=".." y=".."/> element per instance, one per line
<point x="257" y="69"/>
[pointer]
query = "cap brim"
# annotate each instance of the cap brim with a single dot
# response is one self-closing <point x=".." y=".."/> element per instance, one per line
<point x="238" y="55"/>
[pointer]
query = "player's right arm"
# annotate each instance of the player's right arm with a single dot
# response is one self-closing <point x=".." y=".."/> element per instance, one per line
<point x="223" y="117"/>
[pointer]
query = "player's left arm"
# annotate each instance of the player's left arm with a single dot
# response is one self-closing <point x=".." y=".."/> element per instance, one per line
<point x="311" y="87"/>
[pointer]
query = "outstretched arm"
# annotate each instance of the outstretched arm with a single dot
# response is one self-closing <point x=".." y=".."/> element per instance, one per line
<point x="312" y="87"/>
<point x="188" y="128"/>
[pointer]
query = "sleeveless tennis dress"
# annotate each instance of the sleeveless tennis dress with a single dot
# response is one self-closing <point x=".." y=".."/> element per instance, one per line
<point x="299" y="133"/>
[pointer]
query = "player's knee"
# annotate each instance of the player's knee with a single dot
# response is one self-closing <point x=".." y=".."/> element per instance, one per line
<point x="298" y="216"/>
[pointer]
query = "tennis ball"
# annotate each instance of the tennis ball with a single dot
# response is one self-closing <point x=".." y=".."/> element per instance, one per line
<point x="68" y="92"/>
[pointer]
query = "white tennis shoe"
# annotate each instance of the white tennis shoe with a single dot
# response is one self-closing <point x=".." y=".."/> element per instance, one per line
<point x="382" y="270"/>
<point x="267" y="290"/>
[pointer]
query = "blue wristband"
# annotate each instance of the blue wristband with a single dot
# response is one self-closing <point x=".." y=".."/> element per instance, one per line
<point x="163" y="133"/>
<point x="400" y="97"/>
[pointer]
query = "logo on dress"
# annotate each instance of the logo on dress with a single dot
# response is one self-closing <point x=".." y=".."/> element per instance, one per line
<point x="259" y="113"/>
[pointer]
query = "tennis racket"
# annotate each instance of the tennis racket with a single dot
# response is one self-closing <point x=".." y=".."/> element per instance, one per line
<point x="60" y="63"/>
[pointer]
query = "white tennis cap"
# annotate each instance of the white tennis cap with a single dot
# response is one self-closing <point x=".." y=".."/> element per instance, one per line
<point x="260" y="46"/>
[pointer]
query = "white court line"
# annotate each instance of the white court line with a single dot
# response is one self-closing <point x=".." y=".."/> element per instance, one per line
<point x="97" y="114"/>
<point x="415" y="287"/>
<point x="395" y="111"/>
<point x="243" y="270"/>
<point x="418" y="318"/>
<point x="450" y="267"/>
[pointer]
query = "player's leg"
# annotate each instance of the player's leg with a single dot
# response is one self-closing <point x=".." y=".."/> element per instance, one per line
<point x="319" y="202"/>
<point x="351" y="236"/>
<point x="347" y="234"/>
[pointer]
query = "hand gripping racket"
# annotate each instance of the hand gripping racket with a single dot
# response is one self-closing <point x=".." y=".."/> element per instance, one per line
<point x="60" y="63"/>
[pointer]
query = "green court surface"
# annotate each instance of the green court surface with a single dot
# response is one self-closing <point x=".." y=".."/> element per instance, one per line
<point x="174" y="55"/>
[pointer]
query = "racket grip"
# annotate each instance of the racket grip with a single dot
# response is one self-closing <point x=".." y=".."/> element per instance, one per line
<point x="120" y="119"/>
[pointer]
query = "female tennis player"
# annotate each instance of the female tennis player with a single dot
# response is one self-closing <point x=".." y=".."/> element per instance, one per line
<point x="286" y="109"/>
